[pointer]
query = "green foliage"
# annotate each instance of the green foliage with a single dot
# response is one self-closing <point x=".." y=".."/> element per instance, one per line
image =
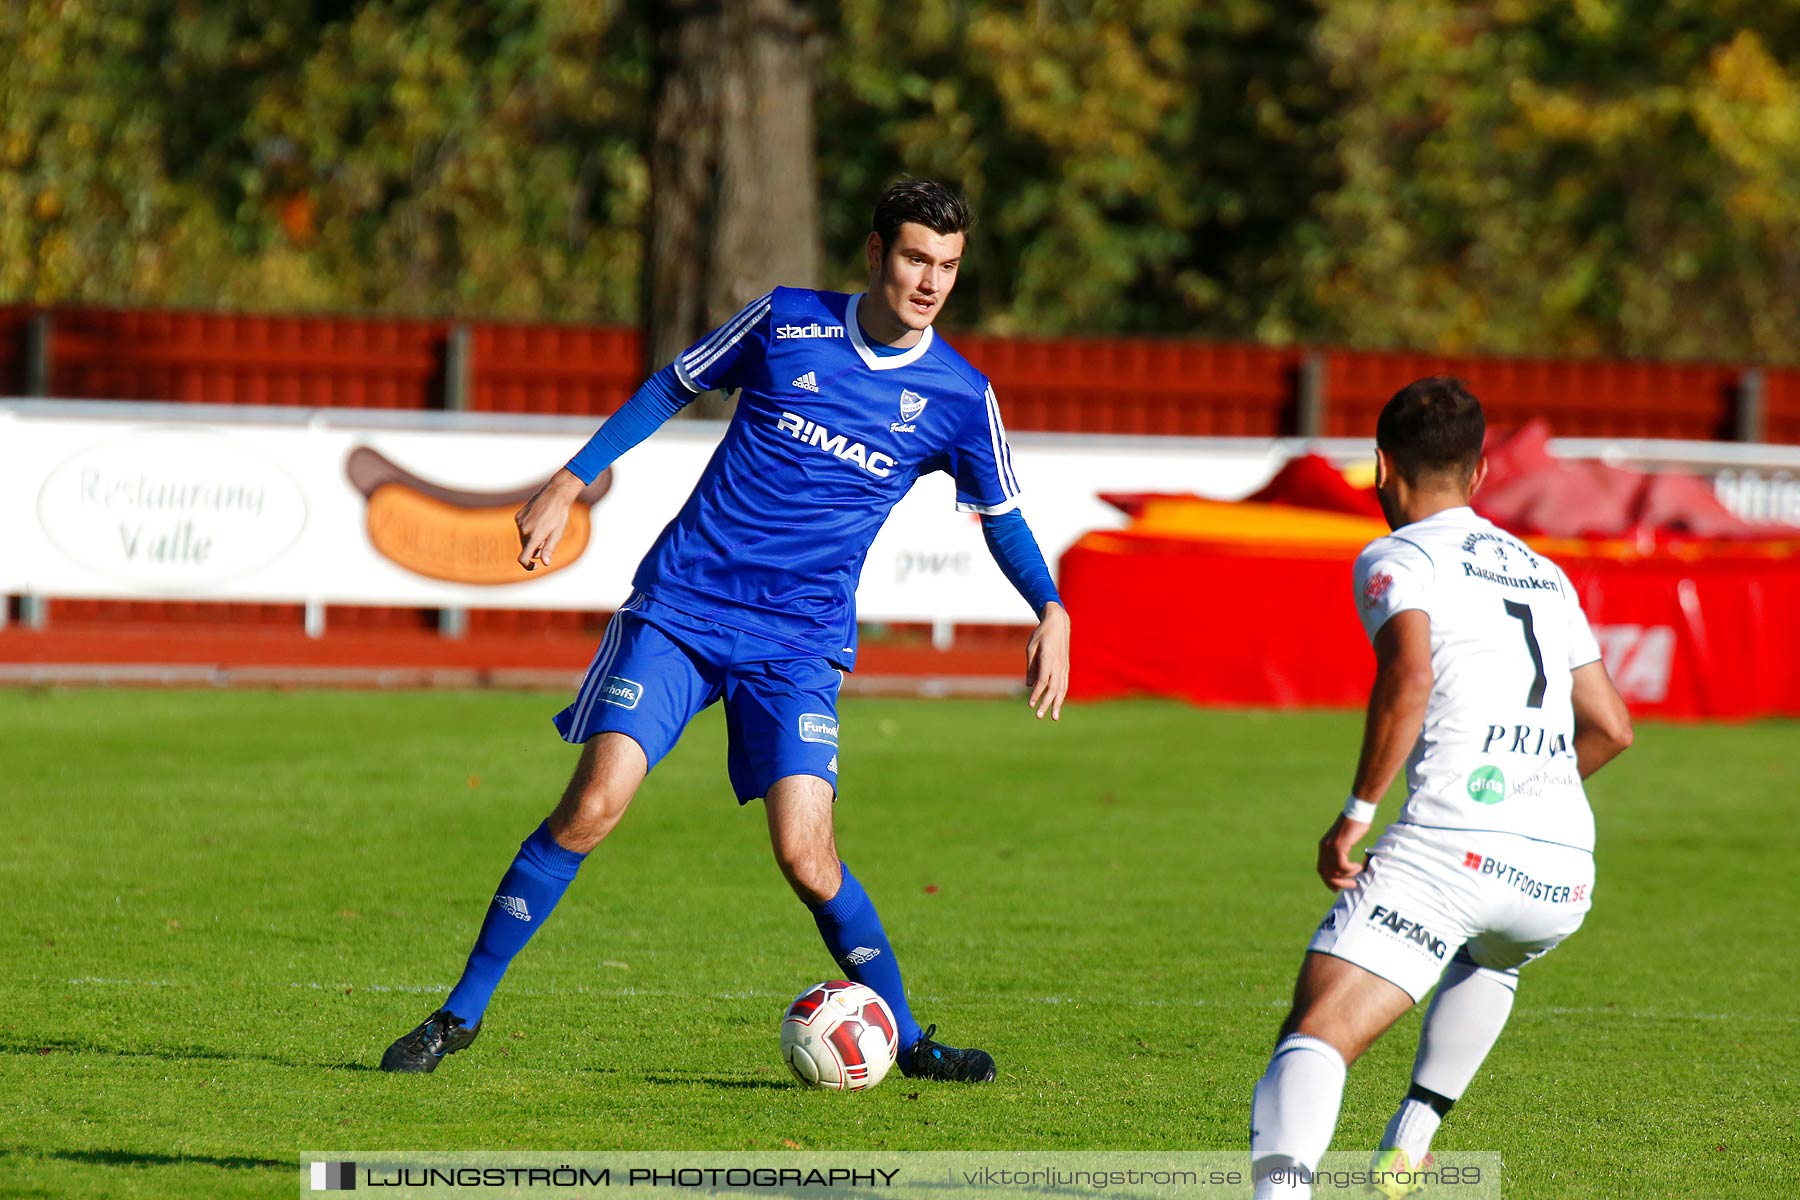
<point x="1136" y="165"/>
<point x="1609" y="176"/>
<point x="227" y="903"/>
<point x="1536" y="177"/>
<point x="402" y="156"/>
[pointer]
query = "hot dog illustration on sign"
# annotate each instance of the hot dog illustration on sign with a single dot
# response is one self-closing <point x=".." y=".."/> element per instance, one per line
<point x="455" y="535"/>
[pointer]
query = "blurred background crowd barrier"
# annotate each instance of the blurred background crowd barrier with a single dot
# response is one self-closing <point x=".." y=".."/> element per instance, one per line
<point x="217" y="497"/>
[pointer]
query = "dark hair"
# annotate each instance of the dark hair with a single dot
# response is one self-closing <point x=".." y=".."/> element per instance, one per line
<point x="1432" y="426"/>
<point x="923" y="202"/>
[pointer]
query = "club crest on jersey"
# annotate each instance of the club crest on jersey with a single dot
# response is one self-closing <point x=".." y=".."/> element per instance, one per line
<point x="911" y="406"/>
<point x="1499" y="545"/>
<point x="813" y="434"/>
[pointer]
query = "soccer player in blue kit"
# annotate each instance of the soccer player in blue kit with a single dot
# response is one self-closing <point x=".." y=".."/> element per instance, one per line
<point x="748" y="595"/>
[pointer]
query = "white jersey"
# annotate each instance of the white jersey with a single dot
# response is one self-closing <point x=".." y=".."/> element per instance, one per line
<point x="1497" y="751"/>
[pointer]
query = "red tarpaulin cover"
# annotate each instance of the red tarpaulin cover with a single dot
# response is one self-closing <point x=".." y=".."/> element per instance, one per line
<point x="1530" y="492"/>
<point x="1697" y="612"/>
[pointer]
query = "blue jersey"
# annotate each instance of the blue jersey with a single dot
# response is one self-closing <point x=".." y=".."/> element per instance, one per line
<point x="827" y="437"/>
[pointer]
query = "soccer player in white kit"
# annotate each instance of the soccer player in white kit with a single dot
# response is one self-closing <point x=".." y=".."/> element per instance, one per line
<point x="1490" y="689"/>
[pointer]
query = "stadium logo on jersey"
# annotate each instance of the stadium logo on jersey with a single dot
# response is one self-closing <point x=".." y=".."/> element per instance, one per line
<point x="515" y="907"/>
<point x="911" y="406"/>
<point x="818" y="727"/>
<point x="861" y="955"/>
<point x="618" y="690"/>
<point x="1487" y="785"/>
<point x="808" y="381"/>
<point x="802" y="430"/>
<point x="1410" y="931"/>
<point x="1376" y="588"/>
<point x="812" y="330"/>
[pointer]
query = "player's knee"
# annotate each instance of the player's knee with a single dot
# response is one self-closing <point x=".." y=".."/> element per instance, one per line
<point x="1322" y="1026"/>
<point x="591" y="808"/>
<point x="812" y="871"/>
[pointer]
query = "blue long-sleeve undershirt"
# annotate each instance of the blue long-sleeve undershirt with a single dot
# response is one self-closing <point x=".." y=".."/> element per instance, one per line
<point x="1010" y="541"/>
<point x="661" y="397"/>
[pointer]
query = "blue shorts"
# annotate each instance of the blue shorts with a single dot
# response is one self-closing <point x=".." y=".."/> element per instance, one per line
<point x="658" y="666"/>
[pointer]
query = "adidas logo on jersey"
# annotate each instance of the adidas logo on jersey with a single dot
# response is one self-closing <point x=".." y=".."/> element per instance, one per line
<point x="861" y="955"/>
<point x="809" y="381"/>
<point x="802" y="430"/>
<point x="514" y="907"/>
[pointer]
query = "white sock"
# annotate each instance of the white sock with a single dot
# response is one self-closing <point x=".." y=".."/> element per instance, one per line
<point x="1411" y="1129"/>
<point x="1461" y="1026"/>
<point x="1294" y="1111"/>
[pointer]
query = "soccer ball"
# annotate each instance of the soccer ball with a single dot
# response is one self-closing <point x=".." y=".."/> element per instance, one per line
<point x="839" y="1035"/>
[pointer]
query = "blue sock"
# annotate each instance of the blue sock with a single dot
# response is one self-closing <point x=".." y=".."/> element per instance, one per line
<point x="528" y="893"/>
<point x="852" y="932"/>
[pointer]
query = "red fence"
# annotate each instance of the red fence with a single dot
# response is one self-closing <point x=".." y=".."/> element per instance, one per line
<point x="1093" y="385"/>
<point x="1579" y="398"/>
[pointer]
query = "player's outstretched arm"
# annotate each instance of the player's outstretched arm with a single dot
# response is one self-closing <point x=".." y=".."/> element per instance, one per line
<point x="542" y="519"/>
<point x="1403" y="682"/>
<point x="1016" y="551"/>
<point x="1602" y="722"/>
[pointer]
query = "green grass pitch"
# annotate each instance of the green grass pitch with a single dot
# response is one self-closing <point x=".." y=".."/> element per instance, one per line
<point x="221" y="906"/>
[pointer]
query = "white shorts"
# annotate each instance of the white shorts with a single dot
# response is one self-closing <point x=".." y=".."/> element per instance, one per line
<point x="1430" y="895"/>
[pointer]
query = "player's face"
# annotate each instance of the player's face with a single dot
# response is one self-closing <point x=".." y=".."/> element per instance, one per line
<point x="913" y="277"/>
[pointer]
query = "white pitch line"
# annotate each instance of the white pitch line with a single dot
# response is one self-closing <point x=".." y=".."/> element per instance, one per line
<point x="95" y="979"/>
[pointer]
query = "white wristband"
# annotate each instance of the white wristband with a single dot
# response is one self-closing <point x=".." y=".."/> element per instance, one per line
<point x="1359" y="810"/>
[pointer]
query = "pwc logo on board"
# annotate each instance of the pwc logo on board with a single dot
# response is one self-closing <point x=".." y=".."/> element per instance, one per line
<point x="456" y="535"/>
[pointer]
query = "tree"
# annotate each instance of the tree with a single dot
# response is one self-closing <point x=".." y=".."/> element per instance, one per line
<point x="1135" y="164"/>
<point x="732" y="165"/>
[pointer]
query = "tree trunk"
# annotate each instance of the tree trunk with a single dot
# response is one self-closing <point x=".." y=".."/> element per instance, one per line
<point x="734" y="206"/>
